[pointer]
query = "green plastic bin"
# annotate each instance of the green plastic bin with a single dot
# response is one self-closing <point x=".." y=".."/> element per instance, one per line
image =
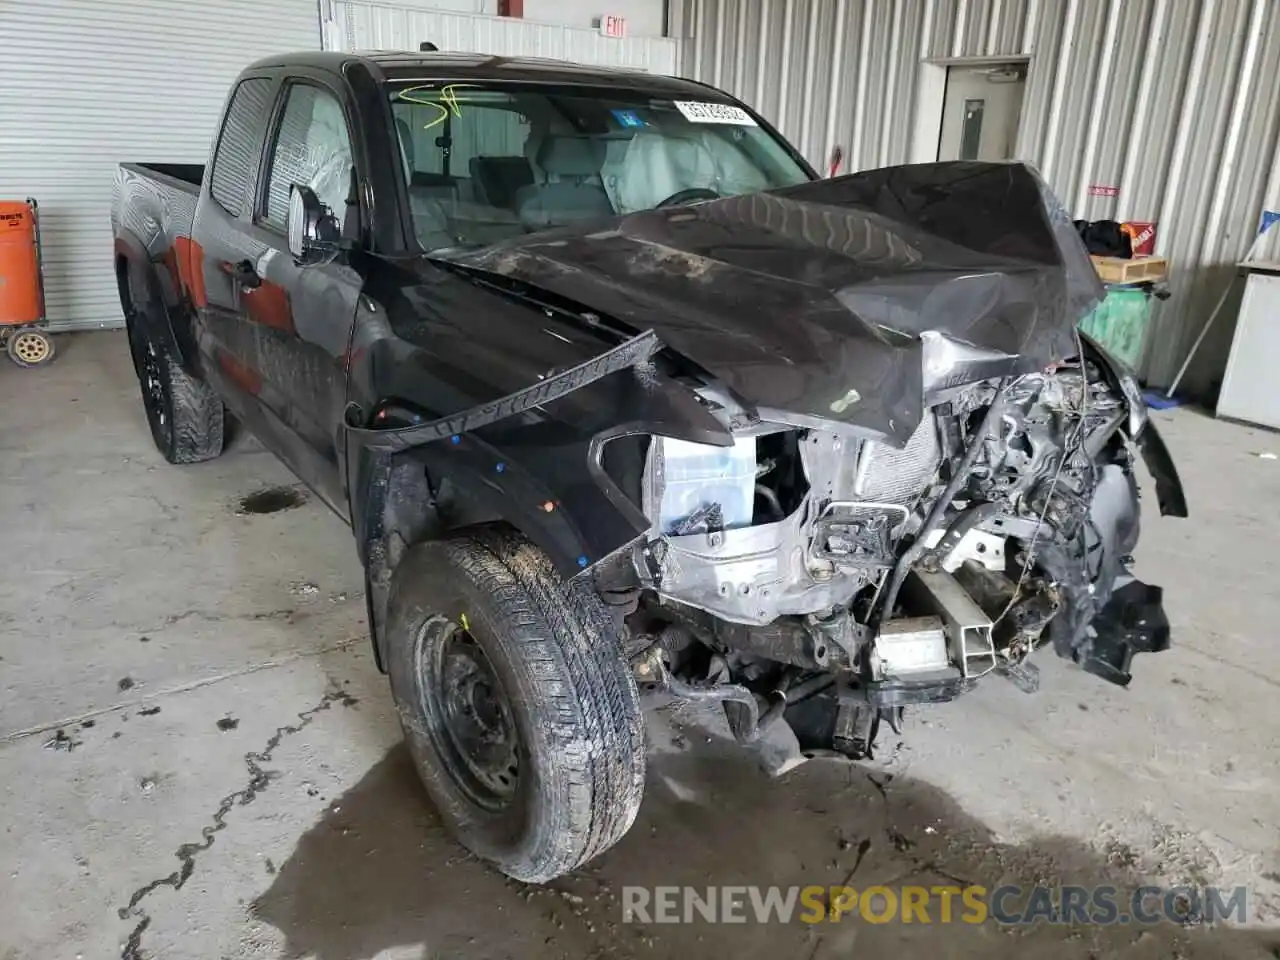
<point x="1119" y="323"/>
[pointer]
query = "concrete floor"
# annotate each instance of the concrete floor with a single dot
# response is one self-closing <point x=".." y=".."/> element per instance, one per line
<point x="235" y="787"/>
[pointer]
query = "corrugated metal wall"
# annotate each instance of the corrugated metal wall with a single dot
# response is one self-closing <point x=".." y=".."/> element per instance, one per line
<point x="403" y="24"/>
<point x="86" y="85"/>
<point x="1175" y="101"/>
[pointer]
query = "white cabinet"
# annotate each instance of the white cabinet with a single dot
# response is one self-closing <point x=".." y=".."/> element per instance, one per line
<point x="1251" y="386"/>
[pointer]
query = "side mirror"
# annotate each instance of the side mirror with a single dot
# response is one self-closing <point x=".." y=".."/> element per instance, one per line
<point x="313" y="229"/>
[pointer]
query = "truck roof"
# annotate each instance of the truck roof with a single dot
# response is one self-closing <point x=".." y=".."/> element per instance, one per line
<point x="395" y="65"/>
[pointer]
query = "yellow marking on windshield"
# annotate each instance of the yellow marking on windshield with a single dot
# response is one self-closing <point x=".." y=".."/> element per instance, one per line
<point x="446" y="101"/>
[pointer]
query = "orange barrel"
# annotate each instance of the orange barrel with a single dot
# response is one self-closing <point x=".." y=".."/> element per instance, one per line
<point x="19" y="264"/>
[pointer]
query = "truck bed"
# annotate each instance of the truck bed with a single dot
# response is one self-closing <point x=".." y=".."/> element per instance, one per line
<point x="155" y="202"/>
<point x="183" y="176"/>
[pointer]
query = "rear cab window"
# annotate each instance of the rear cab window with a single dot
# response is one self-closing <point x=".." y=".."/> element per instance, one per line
<point x="239" y="144"/>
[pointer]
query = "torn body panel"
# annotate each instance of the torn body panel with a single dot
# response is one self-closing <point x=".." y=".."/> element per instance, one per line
<point x="816" y="299"/>
<point x="517" y="428"/>
<point x="1155" y="454"/>
<point x="531" y="464"/>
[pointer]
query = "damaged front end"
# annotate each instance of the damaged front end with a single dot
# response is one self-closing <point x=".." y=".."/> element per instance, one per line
<point x="840" y="579"/>
<point x="848" y="454"/>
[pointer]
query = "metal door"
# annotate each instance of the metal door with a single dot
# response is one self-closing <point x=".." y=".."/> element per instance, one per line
<point x="296" y="320"/>
<point x="980" y="112"/>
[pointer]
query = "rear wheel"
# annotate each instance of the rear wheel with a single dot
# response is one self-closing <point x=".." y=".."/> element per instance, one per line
<point x="520" y="712"/>
<point x="185" y="415"/>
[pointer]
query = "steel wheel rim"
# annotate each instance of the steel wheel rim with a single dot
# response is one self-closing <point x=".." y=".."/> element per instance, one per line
<point x="153" y="391"/>
<point x="468" y="713"/>
<point x="30" y="347"/>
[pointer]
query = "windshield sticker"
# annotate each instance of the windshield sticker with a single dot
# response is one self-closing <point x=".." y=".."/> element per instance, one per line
<point x="697" y="112"/>
<point x="628" y="118"/>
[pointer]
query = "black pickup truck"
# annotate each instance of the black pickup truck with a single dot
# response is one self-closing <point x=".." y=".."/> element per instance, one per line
<point x="614" y="393"/>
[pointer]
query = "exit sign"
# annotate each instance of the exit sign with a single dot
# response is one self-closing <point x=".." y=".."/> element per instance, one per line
<point x="612" y="25"/>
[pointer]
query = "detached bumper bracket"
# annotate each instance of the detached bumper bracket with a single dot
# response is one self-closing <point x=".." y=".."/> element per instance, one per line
<point x="1133" y="621"/>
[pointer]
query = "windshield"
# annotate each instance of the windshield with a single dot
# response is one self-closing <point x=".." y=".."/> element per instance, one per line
<point x="485" y="164"/>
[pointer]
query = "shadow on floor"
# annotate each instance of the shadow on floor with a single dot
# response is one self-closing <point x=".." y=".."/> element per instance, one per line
<point x="378" y="873"/>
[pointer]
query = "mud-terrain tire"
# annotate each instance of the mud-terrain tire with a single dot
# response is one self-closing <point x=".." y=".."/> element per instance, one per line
<point x="185" y="415"/>
<point x="536" y="765"/>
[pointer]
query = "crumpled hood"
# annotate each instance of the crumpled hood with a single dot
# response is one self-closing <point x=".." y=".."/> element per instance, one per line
<point x="853" y="299"/>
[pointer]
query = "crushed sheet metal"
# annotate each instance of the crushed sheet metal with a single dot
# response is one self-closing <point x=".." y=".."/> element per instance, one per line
<point x="627" y="354"/>
<point x="794" y="297"/>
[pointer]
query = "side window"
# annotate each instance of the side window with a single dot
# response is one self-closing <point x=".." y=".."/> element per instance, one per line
<point x="238" y="144"/>
<point x="312" y="148"/>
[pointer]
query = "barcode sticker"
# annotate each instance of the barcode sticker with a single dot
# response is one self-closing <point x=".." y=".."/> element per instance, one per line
<point x="697" y="112"/>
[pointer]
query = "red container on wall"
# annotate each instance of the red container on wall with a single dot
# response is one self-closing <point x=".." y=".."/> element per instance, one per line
<point x="20" y="295"/>
<point x="1142" y="236"/>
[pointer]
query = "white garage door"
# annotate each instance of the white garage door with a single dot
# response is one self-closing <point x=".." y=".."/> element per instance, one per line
<point x="85" y="84"/>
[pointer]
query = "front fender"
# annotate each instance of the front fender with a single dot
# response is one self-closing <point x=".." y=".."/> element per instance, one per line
<point x="535" y="458"/>
<point x="1155" y="454"/>
<point x="1169" y="493"/>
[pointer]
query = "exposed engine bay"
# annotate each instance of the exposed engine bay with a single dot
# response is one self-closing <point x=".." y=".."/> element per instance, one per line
<point x="807" y="575"/>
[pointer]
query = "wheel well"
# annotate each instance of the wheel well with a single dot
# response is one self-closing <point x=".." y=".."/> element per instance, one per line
<point x="122" y="285"/>
<point x="152" y="313"/>
<point x="403" y="506"/>
<point x="399" y="510"/>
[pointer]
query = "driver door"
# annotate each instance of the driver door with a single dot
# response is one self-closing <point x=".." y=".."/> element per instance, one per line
<point x="296" y="320"/>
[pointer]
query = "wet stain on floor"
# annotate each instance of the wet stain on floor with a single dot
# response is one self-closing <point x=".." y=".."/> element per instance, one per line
<point x="271" y="500"/>
<point x="378" y="872"/>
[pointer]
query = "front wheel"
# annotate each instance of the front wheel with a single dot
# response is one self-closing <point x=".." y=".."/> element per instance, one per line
<point x="519" y="709"/>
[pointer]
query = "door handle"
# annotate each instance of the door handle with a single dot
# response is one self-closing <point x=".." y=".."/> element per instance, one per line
<point x="245" y="275"/>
